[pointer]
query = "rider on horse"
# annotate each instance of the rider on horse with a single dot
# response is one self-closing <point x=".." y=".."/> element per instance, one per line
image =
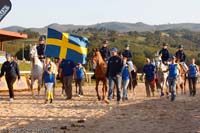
<point x="104" y="50"/>
<point x="180" y="55"/>
<point x="164" y="52"/>
<point x="105" y="53"/>
<point x="41" y="48"/>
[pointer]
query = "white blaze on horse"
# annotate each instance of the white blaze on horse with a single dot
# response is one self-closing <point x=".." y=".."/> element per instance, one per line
<point x="161" y="76"/>
<point x="36" y="69"/>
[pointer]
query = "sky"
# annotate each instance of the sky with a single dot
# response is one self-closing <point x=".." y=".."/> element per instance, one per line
<point x="40" y="13"/>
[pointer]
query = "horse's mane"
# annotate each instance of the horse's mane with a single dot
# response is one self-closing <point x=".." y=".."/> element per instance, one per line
<point x="101" y="66"/>
<point x="98" y="56"/>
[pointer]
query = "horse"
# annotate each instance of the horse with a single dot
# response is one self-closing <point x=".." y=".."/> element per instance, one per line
<point x="133" y="83"/>
<point x="182" y="77"/>
<point x="36" y="69"/>
<point x="100" y="72"/>
<point x="161" y="75"/>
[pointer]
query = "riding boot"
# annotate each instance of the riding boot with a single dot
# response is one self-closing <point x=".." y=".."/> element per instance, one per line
<point x="194" y="92"/>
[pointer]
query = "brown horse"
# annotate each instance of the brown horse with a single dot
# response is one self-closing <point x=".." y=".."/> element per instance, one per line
<point x="100" y="72"/>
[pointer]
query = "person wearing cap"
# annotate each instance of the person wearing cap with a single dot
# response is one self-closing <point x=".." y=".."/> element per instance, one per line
<point x="80" y="74"/>
<point x="41" y="48"/>
<point x="174" y="70"/>
<point x="127" y="52"/>
<point x="104" y="50"/>
<point x="11" y="69"/>
<point x="149" y="71"/>
<point x="180" y="55"/>
<point x="164" y="53"/>
<point x="105" y="53"/>
<point x="114" y="70"/>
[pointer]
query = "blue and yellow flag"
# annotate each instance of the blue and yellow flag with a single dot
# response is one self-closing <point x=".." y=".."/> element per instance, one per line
<point x="66" y="46"/>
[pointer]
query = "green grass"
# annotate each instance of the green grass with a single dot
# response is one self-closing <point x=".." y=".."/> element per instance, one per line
<point x="23" y="66"/>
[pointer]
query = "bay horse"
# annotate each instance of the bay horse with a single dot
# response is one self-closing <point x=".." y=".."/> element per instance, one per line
<point x="36" y="69"/>
<point x="100" y="73"/>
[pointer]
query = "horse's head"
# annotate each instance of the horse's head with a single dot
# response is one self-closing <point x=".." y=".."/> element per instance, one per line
<point x="96" y="56"/>
<point x="33" y="51"/>
<point x="157" y="60"/>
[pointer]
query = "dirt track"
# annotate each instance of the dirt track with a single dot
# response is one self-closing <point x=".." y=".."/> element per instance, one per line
<point x="86" y="114"/>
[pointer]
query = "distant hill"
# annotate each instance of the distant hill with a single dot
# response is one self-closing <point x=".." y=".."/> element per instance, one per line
<point x="115" y="26"/>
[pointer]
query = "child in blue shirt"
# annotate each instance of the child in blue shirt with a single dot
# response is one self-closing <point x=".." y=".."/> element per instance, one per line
<point x="174" y="70"/>
<point x="192" y="77"/>
<point x="126" y="78"/>
<point x="80" y="74"/>
<point x="48" y="80"/>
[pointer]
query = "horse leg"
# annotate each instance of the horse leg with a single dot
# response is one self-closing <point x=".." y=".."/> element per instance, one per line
<point x="185" y="80"/>
<point x="32" y="83"/>
<point x="104" y="89"/>
<point x="76" y="85"/>
<point x="39" y="86"/>
<point x="97" y="91"/>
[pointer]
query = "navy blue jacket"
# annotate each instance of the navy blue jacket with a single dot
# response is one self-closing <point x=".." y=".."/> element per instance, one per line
<point x="41" y="50"/>
<point x="115" y="65"/>
<point x="127" y="54"/>
<point x="11" y="69"/>
<point x="165" y="54"/>
<point x="105" y="53"/>
<point x="180" y="55"/>
<point x="67" y="66"/>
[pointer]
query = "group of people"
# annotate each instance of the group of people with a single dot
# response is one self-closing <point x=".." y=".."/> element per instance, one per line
<point x="174" y="64"/>
<point x="120" y="68"/>
<point x="119" y="71"/>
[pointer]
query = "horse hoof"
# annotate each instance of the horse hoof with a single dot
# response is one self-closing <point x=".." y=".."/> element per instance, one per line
<point x="99" y="98"/>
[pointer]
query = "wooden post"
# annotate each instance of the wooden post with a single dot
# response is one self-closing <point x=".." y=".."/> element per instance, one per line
<point x="1" y="45"/>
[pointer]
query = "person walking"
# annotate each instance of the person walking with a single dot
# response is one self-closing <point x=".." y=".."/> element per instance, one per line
<point x="49" y="80"/>
<point x="67" y="68"/>
<point x="149" y="71"/>
<point x="114" y="70"/>
<point x="192" y="77"/>
<point x="126" y="78"/>
<point x="174" y="71"/>
<point x="11" y="69"/>
<point x="80" y="74"/>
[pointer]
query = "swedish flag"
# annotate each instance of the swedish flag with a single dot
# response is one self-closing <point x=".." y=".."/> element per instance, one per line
<point x="66" y="46"/>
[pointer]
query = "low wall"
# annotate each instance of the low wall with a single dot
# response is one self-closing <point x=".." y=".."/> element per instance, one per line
<point x="24" y="82"/>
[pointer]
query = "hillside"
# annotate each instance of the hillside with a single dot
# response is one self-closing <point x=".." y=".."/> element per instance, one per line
<point x="115" y="26"/>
